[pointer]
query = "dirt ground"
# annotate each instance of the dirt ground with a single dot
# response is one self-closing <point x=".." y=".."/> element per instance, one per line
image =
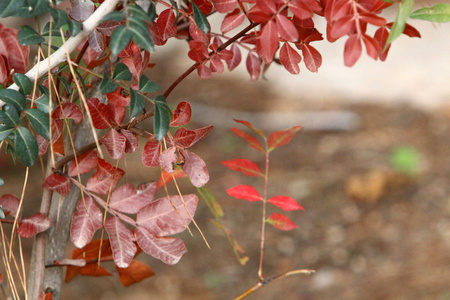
<point x="369" y="230"/>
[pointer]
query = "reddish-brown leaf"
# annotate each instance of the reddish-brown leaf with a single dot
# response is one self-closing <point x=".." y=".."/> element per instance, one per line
<point x="81" y="10"/>
<point x="290" y="59"/>
<point x="250" y="126"/>
<point x="114" y="143"/>
<point x="232" y="21"/>
<point x="181" y="115"/>
<point x="9" y="204"/>
<point x="83" y="164"/>
<point x="216" y="65"/>
<point x="164" y="27"/>
<point x="118" y="99"/>
<point x="411" y="31"/>
<point x="201" y="133"/>
<point x="168" y="250"/>
<point x="352" y="50"/>
<point x="165" y="177"/>
<point x="285" y="203"/>
<point x="253" y="66"/>
<point x="4" y="74"/>
<point x="128" y="200"/>
<point x="286" y="28"/>
<point x="245" y="192"/>
<point x="94" y="270"/>
<point x="203" y="71"/>
<point x="132" y="141"/>
<point x="237" y="57"/>
<point x="168" y="215"/>
<point x="42" y="144"/>
<point x="281" y="222"/>
<point x="99" y="113"/>
<point x="134" y="61"/>
<point x="92" y="250"/>
<point x="224" y="6"/>
<point x="184" y="137"/>
<point x="105" y="179"/>
<point x="311" y="57"/>
<point x="96" y="41"/>
<point x="151" y="152"/>
<point x="254" y="143"/>
<point x="135" y="273"/>
<point x="168" y="158"/>
<point x="243" y="165"/>
<point x="280" y="138"/>
<point x="197" y="34"/>
<point x="121" y="239"/>
<point x="59" y="183"/>
<point x="16" y="54"/>
<point x="68" y="110"/>
<point x="85" y="221"/>
<point x="268" y="42"/>
<point x="33" y="225"/>
<point x="116" y="113"/>
<point x="195" y="168"/>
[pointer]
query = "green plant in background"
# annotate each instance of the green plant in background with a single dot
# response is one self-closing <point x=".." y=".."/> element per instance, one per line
<point x="405" y="159"/>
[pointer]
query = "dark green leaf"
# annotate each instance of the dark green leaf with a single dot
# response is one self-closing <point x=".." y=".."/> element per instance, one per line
<point x="9" y="115"/>
<point x="114" y="16"/>
<point x="14" y="98"/>
<point x="162" y="118"/>
<point x="107" y="85"/>
<point x="38" y="7"/>
<point x="439" y="13"/>
<point x="26" y="146"/>
<point x="29" y="36"/>
<point x="146" y="85"/>
<point x="137" y="13"/>
<point x="60" y="17"/>
<point x="121" y="72"/>
<point x="23" y="82"/>
<point x="10" y="7"/>
<point x="74" y="27"/>
<point x="177" y="12"/>
<point x="66" y="85"/>
<point x="40" y="122"/>
<point x="151" y="13"/>
<point x="141" y="34"/>
<point x="200" y="19"/>
<point x="81" y="80"/>
<point x="5" y="131"/>
<point x="137" y="103"/>
<point x="404" y="10"/>
<point x="43" y="103"/>
<point x="119" y="39"/>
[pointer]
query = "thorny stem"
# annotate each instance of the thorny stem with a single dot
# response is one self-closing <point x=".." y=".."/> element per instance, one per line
<point x="263" y="222"/>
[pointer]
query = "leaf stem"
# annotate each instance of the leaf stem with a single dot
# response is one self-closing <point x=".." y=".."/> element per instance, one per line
<point x="263" y="221"/>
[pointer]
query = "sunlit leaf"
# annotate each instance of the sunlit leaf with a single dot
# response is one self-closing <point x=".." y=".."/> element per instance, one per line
<point x="280" y="138"/>
<point x="85" y="221"/>
<point x="281" y="222"/>
<point x="404" y="10"/>
<point x="136" y="272"/>
<point x="33" y="225"/>
<point x="59" y="183"/>
<point x="245" y="192"/>
<point x="128" y="200"/>
<point x="121" y="239"/>
<point x="438" y="13"/>
<point x="285" y="203"/>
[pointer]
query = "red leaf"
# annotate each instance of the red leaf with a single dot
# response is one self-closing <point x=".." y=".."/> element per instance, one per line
<point x="135" y="273"/>
<point x="68" y="110"/>
<point x="16" y="55"/>
<point x="85" y="221"/>
<point x="134" y="62"/>
<point x="93" y="249"/>
<point x="352" y="50"/>
<point x="312" y="58"/>
<point x="9" y="203"/>
<point x="132" y="141"/>
<point x="168" y="158"/>
<point x="245" y="166"/>
<point x="117" y="113"/>
<point x="81" y="10"/>
<point x="94" y="270"/>
<point x="33" y="225"/>
<point x="150" y="154"/>
<point x="372" y="46"/>
<point x="59" y="183"/>
<point x="99" y="113"/>
<point x="216" y="65"/>
<point x="250" y="126"/>
<point x="203" y="71"/>
<point x="197" y="34"/>
<point x="105" y="179"/>
<point x="281" y="222"/>
<point x="290" y="59"/>
<point x="237" y="57"/>
<point x="195" y="168"/>
<point x="286" y="28"/>
<point x="224" y="6"/>
<point x="86" y="163"/>
<point x="42" y="144"/>
<point x="280" y="138"/>
<point x="168" y="250"/>
<point x="257" y="15"/>
<point x="121" y="239"/>
<point x="117" y="99"/>
<point x="253" y="66"/>
<point x="4" y="74"/>
<point x="268" y="42"/>
<point x="232" y="21"/>
<point x="184" y="137"/>
<point x="128" y="200"/>
<point x="245" y="192"/>
<point x="372" y="19"/>
<point x="201" y="133"/>
<point x="168" y="215"/>
<point x="343" y="26"/>
<point x="381" y="36"/>
<point x="96" y="41"/>
<point x="115" y="143"/>
<point x="411" y="31"/>
<point x="181" y="115"/>
<point x="254" y="143"/>
<point x="304" y="9"/>
<point x="285" y="203"/>
<point x="168" y="177"/>
<point x="164" y="27"/>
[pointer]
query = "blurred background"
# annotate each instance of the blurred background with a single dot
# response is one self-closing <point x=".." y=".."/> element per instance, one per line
<point x="371" y="168"/>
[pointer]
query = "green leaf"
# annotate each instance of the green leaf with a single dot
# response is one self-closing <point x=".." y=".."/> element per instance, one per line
<point x="121" y="72"/>
<point x="119" y="39"/>
<point x="113" y="16"/>
<point x="405" y="159"/>
<point x="60" y="17"/>
<point x="43" y="103"/>
<point x="38" y="7"/>
<point x="74" y="27"/>
<point x="162" y="118"/>
<point x="439" y="13"/>
<point x="151" y="13"/>
<point x="5" y="130"/>
<point x="404" y="10"/>
<point x="141" y="34"/>
<point x="26" y="146"/>
<point x="146" y="85"/>
<point x="137" y="103"/>
<point x="107" y="85"/>
<point x="137" y="13"/>
<point x="29" y="36"/>
<point x="8" y="8"/>
<point x="81" y="80"/>
<point x="24" y="83"/>
<point x="40" y="122"/>
<point x="14" y="98"/>
<point x="66" y="85"/>
<point x="177" y="11"/>
<point x="200" y="18"/>
<point x="9" y="115"/>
